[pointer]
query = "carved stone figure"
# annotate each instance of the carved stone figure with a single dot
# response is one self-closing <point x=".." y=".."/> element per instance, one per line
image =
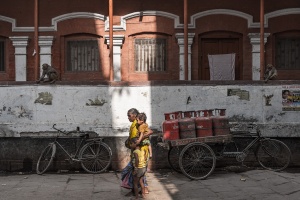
<point x="270" y="73"/>
<point x="50" y="72"/>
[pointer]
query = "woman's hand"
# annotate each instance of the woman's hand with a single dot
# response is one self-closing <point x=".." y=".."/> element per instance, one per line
<point x="132" y="146"/>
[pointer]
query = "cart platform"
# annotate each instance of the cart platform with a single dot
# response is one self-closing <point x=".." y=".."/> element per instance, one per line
<point x="208" y="139"/>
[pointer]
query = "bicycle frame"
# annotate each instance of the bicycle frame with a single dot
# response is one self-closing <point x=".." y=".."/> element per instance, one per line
<point x="246" y="149"/>
<point x="71" y="157"/>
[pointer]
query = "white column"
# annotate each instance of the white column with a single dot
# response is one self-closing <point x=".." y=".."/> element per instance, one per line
<point x="45" y="44"/>
<point x="255" y="41"/>
<point x="20" y="43"/>
<point x="117" y="46"/>
<point x="180" y="39"/>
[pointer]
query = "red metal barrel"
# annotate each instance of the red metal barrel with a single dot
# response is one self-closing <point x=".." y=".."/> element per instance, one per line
<point x="170" y="127"/>
<point x="188" y="114"/>
<point x="178" y="114"/>
<point x="203" y="126"/>
<point x="220" y="112"/>
<point x="220" y="126"/>
<point x="187" y="128"/>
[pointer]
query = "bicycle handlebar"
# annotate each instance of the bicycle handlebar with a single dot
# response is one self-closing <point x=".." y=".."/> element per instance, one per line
<point x="85" y="135"/>
<point x="61" y="131"/>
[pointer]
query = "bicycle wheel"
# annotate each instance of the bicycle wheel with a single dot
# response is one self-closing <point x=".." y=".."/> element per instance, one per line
<point x="95" y="157"/>
<point x="46" y="159"/>
<point x="173" y="157"/>
<point x="197" y="160"/>
<point x="273" y="154"/>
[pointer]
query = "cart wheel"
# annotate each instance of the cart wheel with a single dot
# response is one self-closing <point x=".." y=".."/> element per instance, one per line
<point x="173" y="157"/>
<point x="197" y="160"/>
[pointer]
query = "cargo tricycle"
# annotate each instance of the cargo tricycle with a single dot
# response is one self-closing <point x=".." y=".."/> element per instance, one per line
<point x="196" y="156"/>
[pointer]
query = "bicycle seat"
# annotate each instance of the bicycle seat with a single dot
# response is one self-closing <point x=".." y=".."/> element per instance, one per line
<point x="84" y="135"/>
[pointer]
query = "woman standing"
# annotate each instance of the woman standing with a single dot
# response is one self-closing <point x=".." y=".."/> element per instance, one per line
<point x="126" y="174"/>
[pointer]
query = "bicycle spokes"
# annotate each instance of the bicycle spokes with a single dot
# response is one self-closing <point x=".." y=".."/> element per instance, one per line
<point x="95" y="157"/>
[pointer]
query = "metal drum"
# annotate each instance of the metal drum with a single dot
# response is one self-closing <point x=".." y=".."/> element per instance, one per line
<point x="203" y="126"/>
<point x="170" y="127"/>
<point x="220" y="126"/>
<point x="187" y="128"/>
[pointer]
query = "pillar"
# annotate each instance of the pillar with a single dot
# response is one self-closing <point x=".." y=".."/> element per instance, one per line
<point x="20" y="43"/>
<point x="255" y="41"/>
<point x="118" y="41"/>
<point x="180" y="39"/>
<point x="45" y="44"/>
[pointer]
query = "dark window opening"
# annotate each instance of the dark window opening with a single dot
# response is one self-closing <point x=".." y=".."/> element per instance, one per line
<point x="83" y="55"/>
<point x="150" y="55"/>
<point x="287" y="53"/>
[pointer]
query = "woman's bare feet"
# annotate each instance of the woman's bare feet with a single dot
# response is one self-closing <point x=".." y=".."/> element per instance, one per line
<point x="143" y="196"/>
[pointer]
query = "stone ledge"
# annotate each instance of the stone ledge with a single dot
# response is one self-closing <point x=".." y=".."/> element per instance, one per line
<point x="151" y="83"/>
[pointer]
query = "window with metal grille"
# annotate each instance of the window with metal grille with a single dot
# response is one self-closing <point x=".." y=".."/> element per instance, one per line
<point x="150" y="55"/>
<point x="2" y="55"/>
<point x="83" y="55"/>
<point x="287" y="54"/>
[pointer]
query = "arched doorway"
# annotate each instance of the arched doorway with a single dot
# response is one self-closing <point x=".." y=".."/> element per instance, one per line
<point x="219" y="42"/>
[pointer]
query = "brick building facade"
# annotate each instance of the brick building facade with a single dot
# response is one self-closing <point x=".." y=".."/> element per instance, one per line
<point x="148" y="38"/>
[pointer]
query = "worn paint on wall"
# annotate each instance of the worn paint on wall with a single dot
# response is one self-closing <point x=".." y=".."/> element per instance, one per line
<point x="68" y="108"/>
<point x="96" y="102"/>
<point x="44" y="98"/>
<point x="243" y="94"/>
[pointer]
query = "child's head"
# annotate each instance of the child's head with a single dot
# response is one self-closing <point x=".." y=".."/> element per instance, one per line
<point x="141" y="118"/>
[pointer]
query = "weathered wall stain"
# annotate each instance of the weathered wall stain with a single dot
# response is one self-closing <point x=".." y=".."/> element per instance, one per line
<point x="17" y="111"/>
<point x="20" y="112"/>
<point x="44" y="98"/>
<point x="268" y="99"/>
<point x="243" y="94"/>
<point x="96" y="102"/>
<point x="145" y="94"/>
<point x="242" y="118"/>
<point x="103" y="109"/>
<point x="281" y="114"/>
<point x="269" y="118"/>
<point x="5" y="132"/>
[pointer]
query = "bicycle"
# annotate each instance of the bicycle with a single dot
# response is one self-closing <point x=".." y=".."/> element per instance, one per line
<point x="93" y="154"/>
<point x="197" y="160"/>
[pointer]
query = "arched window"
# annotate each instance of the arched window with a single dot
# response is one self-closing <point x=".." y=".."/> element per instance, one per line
<point x="150" y="54"/>
<point x="287" y="50"/>
<point x="82" y="55"/>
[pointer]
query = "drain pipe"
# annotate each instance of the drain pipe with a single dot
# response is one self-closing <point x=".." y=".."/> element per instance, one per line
<point x="36" y="40"/>
<point x="185" y="39"/>
<point x="111" y="46"/>
<point x="262" y="42"/>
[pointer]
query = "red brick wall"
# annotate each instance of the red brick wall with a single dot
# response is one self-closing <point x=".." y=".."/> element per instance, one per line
<point x="150" y="26"/>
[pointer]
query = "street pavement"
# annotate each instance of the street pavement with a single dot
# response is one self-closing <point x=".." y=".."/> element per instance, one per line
<point x="232" y="183"/>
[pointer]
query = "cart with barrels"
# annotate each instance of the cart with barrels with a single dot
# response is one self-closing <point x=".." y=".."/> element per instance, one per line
<point x="189" y="135"/>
